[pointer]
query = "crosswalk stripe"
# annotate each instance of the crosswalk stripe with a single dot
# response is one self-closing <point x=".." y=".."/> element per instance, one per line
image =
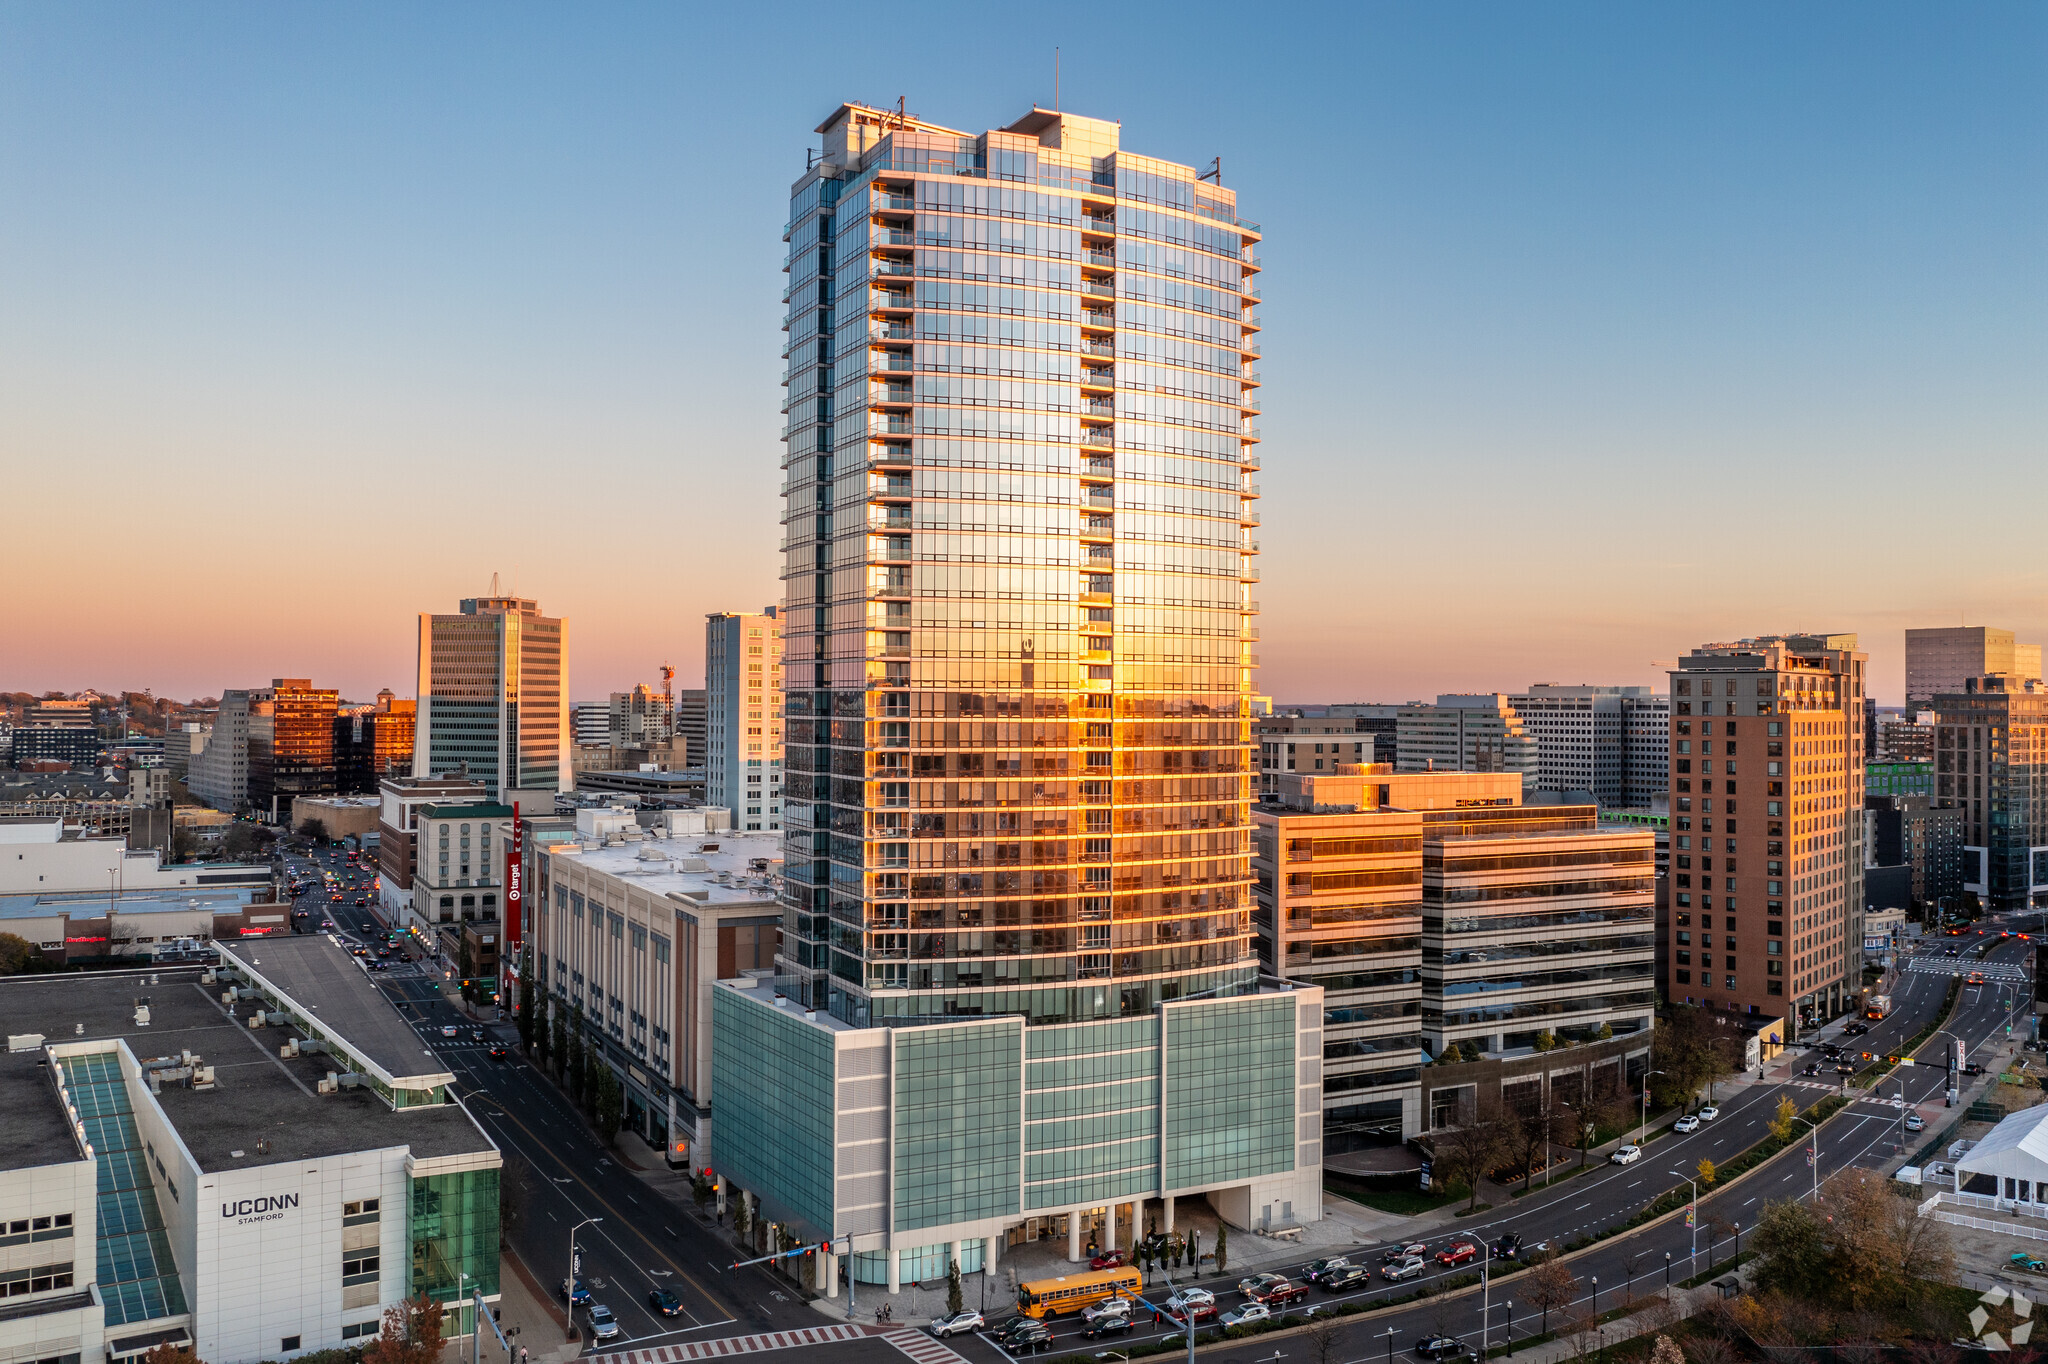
<point x="725" y="1346"/>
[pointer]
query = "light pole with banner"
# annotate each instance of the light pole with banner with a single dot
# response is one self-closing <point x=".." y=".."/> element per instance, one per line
<point x="576" y="1265"/>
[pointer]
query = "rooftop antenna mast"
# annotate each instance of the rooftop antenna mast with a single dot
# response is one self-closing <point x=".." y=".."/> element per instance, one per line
<point x="494" y="584"/>
<point x="1215" y="171"/>
<point x="1055" y="79"/>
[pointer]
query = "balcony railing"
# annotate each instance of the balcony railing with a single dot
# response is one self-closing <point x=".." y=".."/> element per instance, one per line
<point x="1098" y="435"/>
<point x="895" y="201"/>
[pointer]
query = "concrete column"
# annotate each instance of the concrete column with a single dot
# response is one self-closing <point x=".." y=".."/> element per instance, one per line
<point x="828" y="1274"/>
<point x="895" y="1271"/>
<point x="989" y="1246"/>
<point x="1074" y="1236"/>
<point x="1167" y="1227"/>
<point x="957" y="1253"/>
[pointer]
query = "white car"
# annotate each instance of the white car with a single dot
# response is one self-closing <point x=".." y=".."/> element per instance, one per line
<point x="1709" y="1113"/>
<point x="448" y="1031"/>
<point x="1626" y="1155"/>
<point x="1250" y="1312"/>
<point x="603" y="1325"/>
<point x="1915" y="1123"/>
<point x="1109" y="1307"/>
<point x="1688" y="1123"/>
<point x="1404" y="1269"/>
<point x="1191" y="1297"/>
<point x="957" y="1323"/>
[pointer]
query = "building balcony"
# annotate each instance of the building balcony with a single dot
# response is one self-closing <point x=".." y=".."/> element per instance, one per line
<point x="892" y="332"/>
<point x="890" y="268"/>
<point x="894" y="395"/>
<point x="1097" y="257"/>
<point x="1102" y="319"/>
<point x="1101" y="288"/>
<point x="894" y="237"/>
<point x="889" y="301"/>
<point x="894" y="426"/>
<point x="1099" y="407"/>
<point x="1100" y="437"/>
<point x="1247" y="517"/>
<point x="893" y="202"/>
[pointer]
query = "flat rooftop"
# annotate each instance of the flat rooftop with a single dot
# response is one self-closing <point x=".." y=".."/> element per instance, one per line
<point x="87" y="904"/>
<point x="689" y="866"/>
<point x="258" y="1096"/>
<point x="331" y="985"/>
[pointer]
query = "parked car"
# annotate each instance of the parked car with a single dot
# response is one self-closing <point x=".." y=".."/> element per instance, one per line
<point x="1709" y="1113"/>
<point x="1688" y="1123"/>
<point x="1108" y="1259"/>
<point x="1626" y="1155"/>
<point x="1404" y="1252"/>
<point x="1318" y="1270"/>
<point x="664" y="1303"/>
<point x="958" y="1324"/>
<point x="1915" y="1123"/>
<point x="1457" y="1253"/>
<point x="1245" y="1315"/>
<point x="603" y="1325"/>
<point x="1345" y="1279"/>
<point x="1404" y="1269"/>
<point x="1443" y="1347"/>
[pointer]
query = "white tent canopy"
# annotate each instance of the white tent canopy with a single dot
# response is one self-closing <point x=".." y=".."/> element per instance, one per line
<point x="2011" y="1162"/>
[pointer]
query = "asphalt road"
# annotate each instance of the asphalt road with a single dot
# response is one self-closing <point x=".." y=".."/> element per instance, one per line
<point x="1866" y="1134"/>
<point x="644" y="1242"/>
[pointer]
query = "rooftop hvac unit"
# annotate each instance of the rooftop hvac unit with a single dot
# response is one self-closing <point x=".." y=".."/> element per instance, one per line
<point x="208" y="978"/>
<point x="24" y="1041"/>
<point x="142" y="1015"/>
<point x="255" y="1020"/>
<point x="289" y="1051"/>
<point x="202" y="1077"/>
<point x="328" y="1085"/>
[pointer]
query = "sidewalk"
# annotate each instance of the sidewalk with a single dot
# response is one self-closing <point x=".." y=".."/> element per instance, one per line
<point x="529" y="1318"/>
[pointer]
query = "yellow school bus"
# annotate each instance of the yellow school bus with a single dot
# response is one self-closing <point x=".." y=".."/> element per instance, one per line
<point x="1072" y="1292"/>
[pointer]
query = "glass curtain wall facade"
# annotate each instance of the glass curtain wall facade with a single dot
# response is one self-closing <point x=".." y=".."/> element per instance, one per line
<point x="1017" y="512"/>
<point x="493" y="683"/>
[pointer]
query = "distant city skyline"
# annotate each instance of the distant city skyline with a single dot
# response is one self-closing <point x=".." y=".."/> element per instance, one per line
<point x="1585" y="325"/>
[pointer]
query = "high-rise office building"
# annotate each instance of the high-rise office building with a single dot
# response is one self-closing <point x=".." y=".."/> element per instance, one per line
<point x="743" y="694"/>
<point x="1940" y="660"/>
<point x="1469" y="733"/>
<point x="372" y="742"/>
<point x="1581" y="734"/>
<point x="1991" y="766"/>
<point x="641" y="717"/>
<point x="1767" y="787"/>
<point x="693" y="724"/>
<point x="591" y="723"/>
<point x="1296" y="743"/>
<point x="1646" y="727"/>
<point x="494" y="696"/>
<point x="291" y="745"/>
<point x="1019" y="690"/>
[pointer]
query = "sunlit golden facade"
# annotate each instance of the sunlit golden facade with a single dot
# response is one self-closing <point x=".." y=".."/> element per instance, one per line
<point x="1018" y="576"/>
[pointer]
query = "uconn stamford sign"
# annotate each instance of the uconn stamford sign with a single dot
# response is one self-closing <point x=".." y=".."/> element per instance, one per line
<point x="259" y="1209"/>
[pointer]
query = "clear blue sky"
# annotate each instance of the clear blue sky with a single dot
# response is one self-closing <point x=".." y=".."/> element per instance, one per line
<point x="1592" y="332"/>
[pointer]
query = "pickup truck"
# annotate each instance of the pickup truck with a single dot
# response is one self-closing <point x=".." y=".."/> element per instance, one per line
<point x="1280" y="1294"/>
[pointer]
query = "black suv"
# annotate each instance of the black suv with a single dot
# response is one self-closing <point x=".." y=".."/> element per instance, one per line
<point x="1345" y="1279"/>
<point x="1114" y="1324"/>
<point x="1443" y="1347"/>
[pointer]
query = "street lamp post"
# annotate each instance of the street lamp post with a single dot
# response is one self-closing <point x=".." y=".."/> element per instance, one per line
<point x="1595" y="1279"/>
<point x="1694" y="1216"/>
<point x="1667" y="1271"/>
<point x="586" y="1222"/>
<point x="1645" y="1127"/>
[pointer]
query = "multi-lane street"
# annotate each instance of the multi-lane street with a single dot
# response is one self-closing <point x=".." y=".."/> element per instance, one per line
<point x="1866" y="1134"/>
<point x="645" y="1242"/>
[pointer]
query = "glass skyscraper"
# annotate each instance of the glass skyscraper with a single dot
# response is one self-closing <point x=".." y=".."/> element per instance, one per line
<point x="1018" y="576"/>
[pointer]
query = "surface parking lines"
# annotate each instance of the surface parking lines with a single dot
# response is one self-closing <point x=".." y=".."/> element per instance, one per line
<point x="728" y="1346"/>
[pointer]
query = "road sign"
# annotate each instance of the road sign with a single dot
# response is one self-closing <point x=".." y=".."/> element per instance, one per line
<point x="1809" y="1155"/>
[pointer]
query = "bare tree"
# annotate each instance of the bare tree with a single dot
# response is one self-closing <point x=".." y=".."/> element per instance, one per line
<point x="1532" y="1134"/>
<point x="1709" y="1350"/>
<point x="1551" y="1286"/>
<point x="1325" y="1340"/>
<point x="1471" y="1150"/>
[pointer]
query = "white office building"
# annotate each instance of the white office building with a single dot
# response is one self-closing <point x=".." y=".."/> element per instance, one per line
<point x="1482" y="732"/>
<point x="171" y="1192"/>
<point x="743" y="717"/>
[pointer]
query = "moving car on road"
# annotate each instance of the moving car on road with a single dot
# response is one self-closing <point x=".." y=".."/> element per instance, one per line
<point x="1115" y="1324"/>
<point x="1626" y="1155"/>
<point x="1403" y="1252"/>
<point x="1282" y="1293"/>
<point x="1245" y="1315"/>
<point x="1109" y="1307"/>
<point x="1255" y="1284"/>
<point x="666" y="1304"/>
<point x="1030" y="1338"/>
<point x="1404" y="1269"/>
<point x="448" y="1030"/>
<point x="1457" y="1253"/>
<point x="959" y="1323"/>
<point x="1709" y="1113"/>
<point x="1688" y="1123"/>
<point x="575" y="1292"/>
<point x="1318" y="1270"/>
<point x="1345" y="1279"/>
